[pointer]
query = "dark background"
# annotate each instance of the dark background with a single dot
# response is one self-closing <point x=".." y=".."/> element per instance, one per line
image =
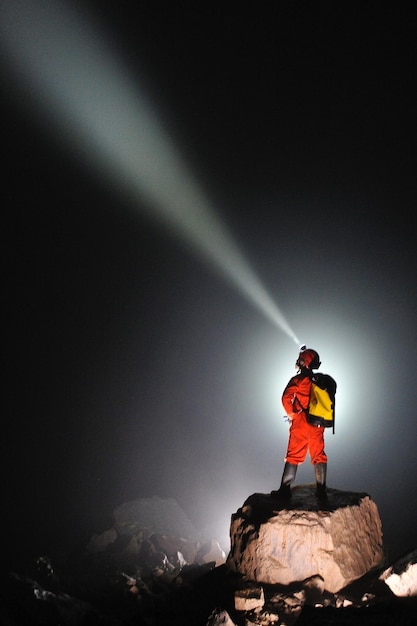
<point x="132" y="368"/>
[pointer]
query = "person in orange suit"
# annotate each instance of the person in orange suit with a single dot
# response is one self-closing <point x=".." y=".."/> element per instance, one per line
<point x="303" y="437"/>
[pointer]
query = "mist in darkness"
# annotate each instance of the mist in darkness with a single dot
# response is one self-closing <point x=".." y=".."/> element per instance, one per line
<point x="133" y="368"/>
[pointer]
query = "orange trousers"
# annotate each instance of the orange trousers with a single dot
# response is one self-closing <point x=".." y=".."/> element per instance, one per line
<point x="305" y="438"/>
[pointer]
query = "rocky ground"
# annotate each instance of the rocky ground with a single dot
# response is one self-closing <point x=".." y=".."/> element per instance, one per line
<point x="105" y="590"/>
<point x="137" y="574"/>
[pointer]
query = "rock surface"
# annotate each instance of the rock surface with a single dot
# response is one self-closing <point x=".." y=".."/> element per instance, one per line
<point x="157" y="533"/>
<point x="401" y="577"/>
<point x="277" y="542"/>
<point x="147" y="577"/>
<point x="153" y="515"/>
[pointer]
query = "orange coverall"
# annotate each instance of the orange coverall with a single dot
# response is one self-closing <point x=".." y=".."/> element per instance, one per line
<point x="303" y="436"/>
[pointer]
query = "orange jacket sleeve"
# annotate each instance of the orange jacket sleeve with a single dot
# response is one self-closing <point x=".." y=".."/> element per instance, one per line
<point x="296" y="395"/>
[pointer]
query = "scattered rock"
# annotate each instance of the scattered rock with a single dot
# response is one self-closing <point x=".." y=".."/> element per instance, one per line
<point x="209" y="552"/>
<point x="249" y="599"/>
<point x="401" y="577"/>
<point x="220" y="617"/>
<point x="100" y="542"/>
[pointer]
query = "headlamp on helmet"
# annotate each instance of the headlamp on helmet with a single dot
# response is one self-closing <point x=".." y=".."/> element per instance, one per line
<point x="308" y="358"/>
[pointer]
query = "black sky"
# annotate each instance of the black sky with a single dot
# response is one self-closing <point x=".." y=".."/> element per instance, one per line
<point x="133" y="369"/>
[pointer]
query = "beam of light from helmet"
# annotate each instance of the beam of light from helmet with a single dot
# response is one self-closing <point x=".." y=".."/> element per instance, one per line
<point x="85" y="90"/>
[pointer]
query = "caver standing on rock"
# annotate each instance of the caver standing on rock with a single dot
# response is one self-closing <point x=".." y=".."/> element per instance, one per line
<point x="303" y="437"/>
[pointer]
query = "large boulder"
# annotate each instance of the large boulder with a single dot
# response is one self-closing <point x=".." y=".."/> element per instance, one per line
<point x="153" y="515"/>
<point x="157" y="534"/>
<point x="279" y="543"/>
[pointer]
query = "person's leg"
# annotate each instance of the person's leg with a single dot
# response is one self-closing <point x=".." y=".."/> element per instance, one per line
<point x="296" y="454"/>
<point x="318" y="459"/>
<point x="288" y="477"/>
<point x="320" y="471"/>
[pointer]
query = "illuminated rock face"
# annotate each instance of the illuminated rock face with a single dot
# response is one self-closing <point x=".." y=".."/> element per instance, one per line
<point x="279" y="543"/>
<point x="401" y="577"/>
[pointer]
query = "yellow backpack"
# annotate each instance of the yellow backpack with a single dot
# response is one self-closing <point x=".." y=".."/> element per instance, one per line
<point x="321" y="408"/>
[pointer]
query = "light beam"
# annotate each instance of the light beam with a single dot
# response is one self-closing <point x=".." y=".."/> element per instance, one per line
<point x="86" y="91"/>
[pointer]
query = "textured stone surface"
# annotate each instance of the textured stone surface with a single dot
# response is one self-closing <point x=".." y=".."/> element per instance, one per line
<point x="136" y="534"/>
<point x="401" y="577"/>
<point x="153" y="515"/>
<point x="249" y="599"/>
<point x="273" y="542"/>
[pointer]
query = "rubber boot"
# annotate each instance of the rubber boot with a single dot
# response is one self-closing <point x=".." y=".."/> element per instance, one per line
<point x="320" y="471"/>
<point x="288" y="477"/>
